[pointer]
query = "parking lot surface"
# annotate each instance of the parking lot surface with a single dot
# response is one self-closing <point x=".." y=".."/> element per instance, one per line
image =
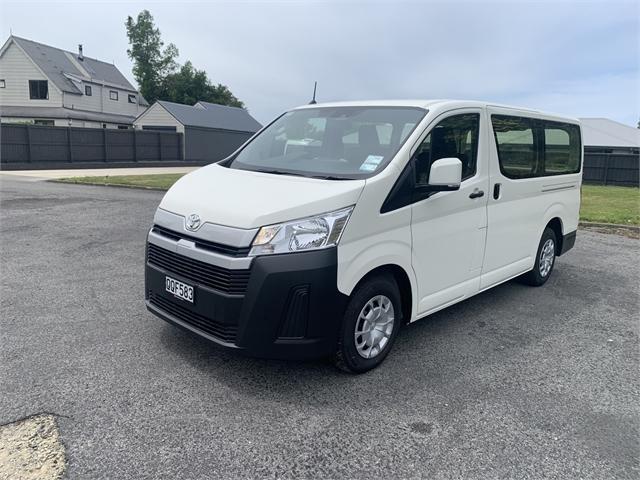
<point x="517" y="382"/>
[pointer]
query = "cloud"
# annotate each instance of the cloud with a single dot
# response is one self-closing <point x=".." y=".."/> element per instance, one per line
<point x="573" y="57"/>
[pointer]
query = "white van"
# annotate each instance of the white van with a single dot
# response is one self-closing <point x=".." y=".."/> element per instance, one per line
<point x="338" y="223"/>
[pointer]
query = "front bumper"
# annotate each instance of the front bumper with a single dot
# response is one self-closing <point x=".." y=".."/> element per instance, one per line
<point x="285" y="306"/>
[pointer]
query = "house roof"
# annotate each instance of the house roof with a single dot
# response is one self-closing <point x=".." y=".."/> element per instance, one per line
<point x="602" y="132"/>
<point x="209" y="115"/>
<point x="64" y="113"/>
<point x="55" y="63"/>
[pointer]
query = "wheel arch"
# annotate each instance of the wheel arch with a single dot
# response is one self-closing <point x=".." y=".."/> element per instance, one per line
<point x="555" y="224"/>
<point x="553" y="219"/>
<point x="404" y="280"/>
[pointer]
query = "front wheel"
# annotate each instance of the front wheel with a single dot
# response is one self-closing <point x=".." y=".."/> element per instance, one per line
<point x="545" y="260"/>
<point x="370" y="325"/>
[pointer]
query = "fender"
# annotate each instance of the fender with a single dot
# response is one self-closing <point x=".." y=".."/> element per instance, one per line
<point x="364" y="260"/>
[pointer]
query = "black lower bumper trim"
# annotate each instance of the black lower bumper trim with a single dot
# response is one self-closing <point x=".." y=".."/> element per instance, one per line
<point x="186" y="326"/>
<point x="290" y="309"/>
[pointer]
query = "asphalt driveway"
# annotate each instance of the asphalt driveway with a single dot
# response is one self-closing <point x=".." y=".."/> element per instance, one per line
<point x="518" y="382"/>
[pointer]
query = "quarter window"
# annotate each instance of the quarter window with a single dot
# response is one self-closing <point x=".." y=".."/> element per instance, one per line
<point x="561" y="148"/>
<point x="87" y="90"/>
<point x="455" y="136"/>
<point x="38" y="89"/>
<point x="113" y="95"/>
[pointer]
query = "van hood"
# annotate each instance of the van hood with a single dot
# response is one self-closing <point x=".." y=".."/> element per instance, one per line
<point x="246" y="199"/>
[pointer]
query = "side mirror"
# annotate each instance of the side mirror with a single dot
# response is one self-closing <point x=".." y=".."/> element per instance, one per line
<point x="445" y="175"/>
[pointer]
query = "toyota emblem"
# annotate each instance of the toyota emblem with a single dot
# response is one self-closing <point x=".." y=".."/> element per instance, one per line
<point x="193" y="222"/>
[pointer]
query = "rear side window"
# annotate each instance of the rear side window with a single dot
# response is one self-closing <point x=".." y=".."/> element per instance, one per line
<point x="561" y="148"/>
<point x="530" y="147"/>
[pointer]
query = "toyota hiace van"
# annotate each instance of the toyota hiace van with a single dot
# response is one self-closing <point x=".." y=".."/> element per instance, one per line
<point x="338" y="223"/>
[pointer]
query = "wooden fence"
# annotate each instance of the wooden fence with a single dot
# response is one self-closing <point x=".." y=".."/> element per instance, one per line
<point x="36" y="147"/>
<point x="606" y="166"/>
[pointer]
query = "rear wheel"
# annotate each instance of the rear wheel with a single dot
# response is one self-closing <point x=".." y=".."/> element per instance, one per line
<point x="370" y="325"/>
<point x="545" y="260"/>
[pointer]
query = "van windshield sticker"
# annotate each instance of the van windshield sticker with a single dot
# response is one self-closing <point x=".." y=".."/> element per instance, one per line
<point x="371" y="163"/>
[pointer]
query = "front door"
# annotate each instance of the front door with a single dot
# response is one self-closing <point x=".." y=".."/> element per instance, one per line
<point x="449" y="228"/>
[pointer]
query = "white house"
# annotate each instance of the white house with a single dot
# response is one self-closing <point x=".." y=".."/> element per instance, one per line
<point x="45" y="85"/>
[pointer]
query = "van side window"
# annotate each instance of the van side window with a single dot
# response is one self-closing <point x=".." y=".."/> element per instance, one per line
<point x="455" y="136"/>
<point x="530" y="148"/>
<point x="561" y="148"/>
<point x="516" y="143"/>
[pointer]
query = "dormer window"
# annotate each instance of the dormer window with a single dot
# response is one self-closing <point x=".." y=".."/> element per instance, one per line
<point x="113" y="95"/>
<point x="132" y="99"/>
<point x="87" y="90"/>
<point x="38" y="89"/>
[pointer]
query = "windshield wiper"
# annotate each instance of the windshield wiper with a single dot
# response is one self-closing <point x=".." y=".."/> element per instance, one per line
<point x="330" y="177"/>
<point x="284" y="172"/>
<point x="279" y="172"/>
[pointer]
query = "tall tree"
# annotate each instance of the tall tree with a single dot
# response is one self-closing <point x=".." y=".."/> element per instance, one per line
<point x="189" y="85"/>
<point x="151" y="62"/>
<point x="159" y="75"/>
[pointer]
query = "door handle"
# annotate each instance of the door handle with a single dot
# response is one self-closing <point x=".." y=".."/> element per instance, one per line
<point x="476" y="194"/>
<point x="496" y="191"/>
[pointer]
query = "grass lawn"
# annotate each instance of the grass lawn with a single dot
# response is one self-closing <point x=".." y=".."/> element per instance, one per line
<point x="619" y="205"/>
<point x="160" y="181"/>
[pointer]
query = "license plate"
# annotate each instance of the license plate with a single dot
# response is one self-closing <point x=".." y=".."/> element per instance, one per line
<point x="179" y="289"/>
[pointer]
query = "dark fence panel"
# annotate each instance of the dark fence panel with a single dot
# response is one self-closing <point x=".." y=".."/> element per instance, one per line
<point x="87" y="144"/>
<point x="611" y="166"/>
<point x="36" y="146"/>
<point x="208" y="145"/>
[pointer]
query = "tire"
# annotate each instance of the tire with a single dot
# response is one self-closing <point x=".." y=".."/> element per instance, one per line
<point x="541" y="268"/>
<point x="380" y="296"/>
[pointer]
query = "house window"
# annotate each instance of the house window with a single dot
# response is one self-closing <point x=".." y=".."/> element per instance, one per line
<point x="87" y="90"/>
<point x="113" y="95"/>
<point x="123" y="127"/>
<point x="3" y="84"/>
<point x="47" y="123"/>
<point x="38" y="90"/>
<point x="132" y="99"/>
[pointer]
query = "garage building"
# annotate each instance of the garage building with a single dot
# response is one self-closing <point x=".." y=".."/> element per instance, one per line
<point x="611" y="152"/>
<point x="210" y="132"/>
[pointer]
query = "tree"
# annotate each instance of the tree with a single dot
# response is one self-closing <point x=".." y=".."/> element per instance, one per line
<point x="189" y="85"/>
<point x="151" y="63"/>
<point x="159" y="75"/>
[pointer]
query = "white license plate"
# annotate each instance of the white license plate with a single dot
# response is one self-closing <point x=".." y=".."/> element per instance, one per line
<point x="179" y="289"/>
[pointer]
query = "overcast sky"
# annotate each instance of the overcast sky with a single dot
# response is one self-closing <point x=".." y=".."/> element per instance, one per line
<point x="579" y="58"/>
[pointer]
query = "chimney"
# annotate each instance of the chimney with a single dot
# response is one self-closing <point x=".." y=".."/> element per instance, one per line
<point x="80" y="56"/>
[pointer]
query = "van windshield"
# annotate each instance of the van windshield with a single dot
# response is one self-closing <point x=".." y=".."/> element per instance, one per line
<point x="330" y="142"/>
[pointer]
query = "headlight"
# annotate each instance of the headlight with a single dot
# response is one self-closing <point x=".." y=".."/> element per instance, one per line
<point x="311" y="233"/>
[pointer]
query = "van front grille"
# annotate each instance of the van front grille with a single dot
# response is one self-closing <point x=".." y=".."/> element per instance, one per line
<point x="232" y="282"/>
<point x="226" y="333"/>
<point x="203" y="244"/>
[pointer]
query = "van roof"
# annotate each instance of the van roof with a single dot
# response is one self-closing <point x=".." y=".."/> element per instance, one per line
<point x="427" y="104"/>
